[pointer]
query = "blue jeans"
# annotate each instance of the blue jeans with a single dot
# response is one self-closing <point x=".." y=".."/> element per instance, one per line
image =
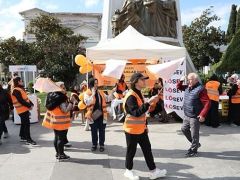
<point x="98" y="127"/>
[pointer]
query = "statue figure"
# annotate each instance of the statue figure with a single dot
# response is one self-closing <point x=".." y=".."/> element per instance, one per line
<point x="128" y="15"/>
<point x="150" y="17"/>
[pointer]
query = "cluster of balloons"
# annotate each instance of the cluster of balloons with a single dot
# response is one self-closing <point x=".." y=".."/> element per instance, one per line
<point x="81" y="104"/>
<point x="85" y="64"/>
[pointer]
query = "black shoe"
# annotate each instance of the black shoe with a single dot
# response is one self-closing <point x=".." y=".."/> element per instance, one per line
<point x="191" y="154"/>
<point x="57" y="155"/>
<point x="94" y="148"/>
<point x="63" y="157"/>
<point x="31" y="142"/>
<point x="199" y="145"/>
<point x="101" y="149"/>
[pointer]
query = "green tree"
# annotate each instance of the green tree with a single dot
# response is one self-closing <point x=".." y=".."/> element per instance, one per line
<point x="232" y="23"/>
<point x="17" y="52"/>
<point x="57" y="45"/>
<point x="202" y="40"/>
<point x="230" y="60"/>
<point x="238" y="20"/>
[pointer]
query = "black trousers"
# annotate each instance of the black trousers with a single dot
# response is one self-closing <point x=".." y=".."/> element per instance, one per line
<point x="98" y="127"/>
<point x="25" y="126"/>
<point x="60" y="140"/>
<point x="5" y="130"/>
<point x="143" y="140"/>
<point x="212" y="118"/>
<point x="234" y="115"/>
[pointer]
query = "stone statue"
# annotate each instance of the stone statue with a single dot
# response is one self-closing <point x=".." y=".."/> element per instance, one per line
<point x="149" y="17"/>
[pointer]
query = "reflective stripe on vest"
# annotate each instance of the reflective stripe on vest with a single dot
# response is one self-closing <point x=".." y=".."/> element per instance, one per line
<point x="18" y="106"/>
<point x="236" y="98"/>
<point x="212" y="90"/>
<point x="132" y="124"/>
<point x="56" y="119"/>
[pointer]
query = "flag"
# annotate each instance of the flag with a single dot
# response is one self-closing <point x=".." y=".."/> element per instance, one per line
<point x="165" y="70"/>
<point x="114" y="68"/>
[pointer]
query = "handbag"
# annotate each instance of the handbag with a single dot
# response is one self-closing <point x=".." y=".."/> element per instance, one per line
<point x="96" y="114"/>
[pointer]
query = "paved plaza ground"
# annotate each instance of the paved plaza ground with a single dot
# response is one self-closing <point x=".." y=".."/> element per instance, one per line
<point x="219" y="156"/>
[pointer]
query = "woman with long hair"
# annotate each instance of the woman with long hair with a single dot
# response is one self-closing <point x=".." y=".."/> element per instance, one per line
<point x="22" y="105"/>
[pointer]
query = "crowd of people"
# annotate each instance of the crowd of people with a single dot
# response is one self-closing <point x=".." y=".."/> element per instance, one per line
<point x="201" y="104"/>
<point x="215" y="90"/>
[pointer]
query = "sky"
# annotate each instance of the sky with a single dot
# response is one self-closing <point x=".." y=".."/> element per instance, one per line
<point x="11" y="23"/>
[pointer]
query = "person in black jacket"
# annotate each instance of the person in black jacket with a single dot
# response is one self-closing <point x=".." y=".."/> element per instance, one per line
<point x="136" y="130"/>
<point x="18" y="92"/>
<point x="5" y="106"/>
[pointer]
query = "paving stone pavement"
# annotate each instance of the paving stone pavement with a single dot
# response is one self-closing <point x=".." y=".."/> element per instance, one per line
<point x="219" y="156"/>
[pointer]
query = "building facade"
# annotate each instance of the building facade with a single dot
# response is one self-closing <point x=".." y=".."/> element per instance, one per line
<point x="85" y="24"/>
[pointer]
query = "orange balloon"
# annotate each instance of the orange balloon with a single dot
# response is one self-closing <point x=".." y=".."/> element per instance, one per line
<point x="81" y="105"/>
<point x="81" y="60"/>
<point x="81" y="96"/>
<point x="82" y="70"/>
<point x="85" y="69"/>
<point x="89" y="67"/>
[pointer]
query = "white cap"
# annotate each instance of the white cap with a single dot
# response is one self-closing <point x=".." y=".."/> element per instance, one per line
<point x="84" y="83"/>
<point x="59" y="83"/>
<point x="234" y="76"/>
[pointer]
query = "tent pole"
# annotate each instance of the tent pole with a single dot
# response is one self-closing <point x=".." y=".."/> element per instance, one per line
<point x="87" y="76"/>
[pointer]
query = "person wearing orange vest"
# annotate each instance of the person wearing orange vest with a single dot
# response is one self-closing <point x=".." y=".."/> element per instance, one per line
<point x="58" y="119"/>
<point x="214" y="89"/>
<point x="135" y="127"/>
<point x="95" y="101"/>
<point x="234" y="96"/>
<point x="157" y="109"/>
<point x="22" y="105"/>
<point x="121" y="87"/>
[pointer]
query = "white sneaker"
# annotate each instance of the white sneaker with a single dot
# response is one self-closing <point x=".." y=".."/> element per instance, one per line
<point x="130" y="175"/>
<point x="157" y="173"/>
<point x="86" y="127"/>
<point x="6" y="135"/>
<point x="68" y="144"/>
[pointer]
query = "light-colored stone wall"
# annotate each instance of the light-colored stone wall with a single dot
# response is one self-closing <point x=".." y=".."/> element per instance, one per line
<point x="85" y="24"/>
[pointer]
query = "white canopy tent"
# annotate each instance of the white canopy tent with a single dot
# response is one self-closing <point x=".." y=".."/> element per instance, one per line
<point x="130" y="44"/>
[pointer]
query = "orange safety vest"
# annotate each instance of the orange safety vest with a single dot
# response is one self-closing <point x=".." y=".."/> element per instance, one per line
<point x="122" y="87"/>
<point x="18" y="106"/>
<point x="212" y="90"/>
<point x="88" y="115"/>
<point x="56" y="119"/>
<point x="236" y="98"/>
<point x="132" y="124"/>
